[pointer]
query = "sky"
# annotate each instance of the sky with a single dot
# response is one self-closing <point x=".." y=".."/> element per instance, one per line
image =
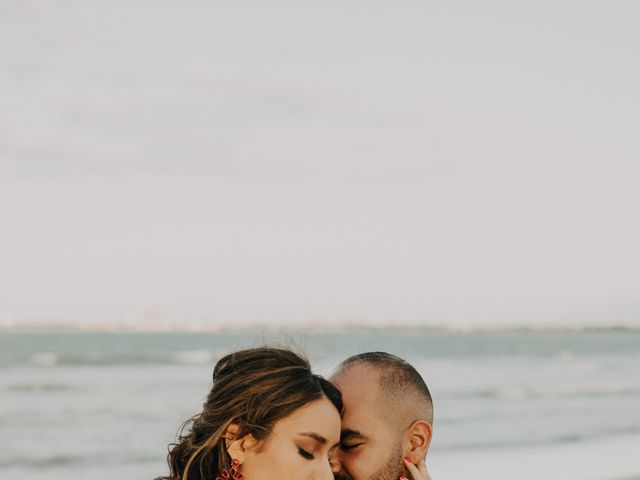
<point x="222" y="163"/>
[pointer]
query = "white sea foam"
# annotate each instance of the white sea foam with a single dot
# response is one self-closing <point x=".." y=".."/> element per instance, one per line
<point x="566" y="355"/>
<point x="193" y="357"/>
<point x="570" y="390"/>
<point x="44" y="359"/>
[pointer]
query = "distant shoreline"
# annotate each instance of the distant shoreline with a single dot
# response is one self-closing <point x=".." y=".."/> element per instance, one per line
<point x="309" y="328"/>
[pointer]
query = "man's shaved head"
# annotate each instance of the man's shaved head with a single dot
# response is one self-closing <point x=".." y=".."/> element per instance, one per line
<point x="403" y="394"/>
<point x="388" y="415"/>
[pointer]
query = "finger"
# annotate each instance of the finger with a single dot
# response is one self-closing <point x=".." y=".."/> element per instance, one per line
<point x="422" y="467"/>
<point x="413" y="470"/>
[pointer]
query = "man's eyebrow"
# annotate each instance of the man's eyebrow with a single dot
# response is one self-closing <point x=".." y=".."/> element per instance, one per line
<point x="349" y="433"/>
<point x="315" y="436"/>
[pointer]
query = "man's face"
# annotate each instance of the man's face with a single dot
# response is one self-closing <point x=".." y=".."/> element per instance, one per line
<point x="371" y="448"/>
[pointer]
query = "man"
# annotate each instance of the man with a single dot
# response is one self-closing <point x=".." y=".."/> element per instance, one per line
<point x="387" y="420"/>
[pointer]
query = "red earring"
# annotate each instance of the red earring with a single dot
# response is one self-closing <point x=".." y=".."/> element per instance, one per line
<point x="235" y="473"/>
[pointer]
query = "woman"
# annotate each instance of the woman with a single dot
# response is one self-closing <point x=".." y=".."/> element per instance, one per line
<point x="267" y="417"/>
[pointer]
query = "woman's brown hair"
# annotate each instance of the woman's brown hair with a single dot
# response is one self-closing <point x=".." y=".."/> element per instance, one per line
<point x="252" y="389"/>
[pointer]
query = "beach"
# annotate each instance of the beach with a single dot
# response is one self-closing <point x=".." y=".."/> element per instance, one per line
<point x="613" y="458"/>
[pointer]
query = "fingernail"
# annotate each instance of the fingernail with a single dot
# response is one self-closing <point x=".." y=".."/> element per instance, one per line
<point x="408" y="459"/>
<point x="402" y="477"/>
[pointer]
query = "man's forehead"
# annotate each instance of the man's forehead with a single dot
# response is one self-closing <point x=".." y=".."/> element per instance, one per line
<point x="360" y="388"/>
<point x="357" y="379"/>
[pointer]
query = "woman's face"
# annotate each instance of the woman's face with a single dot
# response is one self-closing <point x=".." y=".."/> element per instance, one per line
<point x="298" y="447"/>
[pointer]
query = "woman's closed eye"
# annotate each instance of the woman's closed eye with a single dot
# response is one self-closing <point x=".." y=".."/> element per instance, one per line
<point x="305" y="454"/>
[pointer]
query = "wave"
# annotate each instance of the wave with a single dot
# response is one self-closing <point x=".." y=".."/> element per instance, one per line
<point x="560" y="439"/>
<point x="630" y="387"/>
<point x="61" y="461"/>
<point x="42" y="462"/>
<point x="589" y="389"/>
<point x="193" y="357"/>
<point x="39" y="387"/>
<point x="44" y="359"/>
<point x="157" y="357"/>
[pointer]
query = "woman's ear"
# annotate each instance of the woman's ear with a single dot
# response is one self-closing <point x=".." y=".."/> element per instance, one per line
<point x="238" y="447"/>
<point x="420" y="434"/>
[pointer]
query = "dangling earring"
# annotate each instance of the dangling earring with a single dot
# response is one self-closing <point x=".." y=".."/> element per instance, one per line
<point x="235" y="473"/>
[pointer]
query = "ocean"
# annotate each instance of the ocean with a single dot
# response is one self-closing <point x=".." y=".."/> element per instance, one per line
<point x="552" y="405"/>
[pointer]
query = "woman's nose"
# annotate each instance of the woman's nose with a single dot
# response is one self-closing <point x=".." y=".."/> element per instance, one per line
<point x="334" y="461"/>
<point x="326" y="473"/>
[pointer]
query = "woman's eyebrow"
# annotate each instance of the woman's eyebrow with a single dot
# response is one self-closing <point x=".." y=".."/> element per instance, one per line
<point x="315" y="436"/>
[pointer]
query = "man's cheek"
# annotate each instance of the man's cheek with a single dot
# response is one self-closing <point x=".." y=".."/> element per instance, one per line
<point x="357" y="459"/>
<point x="361" y="463"/>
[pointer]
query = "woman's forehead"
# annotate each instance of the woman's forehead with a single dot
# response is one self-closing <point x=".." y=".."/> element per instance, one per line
<point x="319" y="417"/>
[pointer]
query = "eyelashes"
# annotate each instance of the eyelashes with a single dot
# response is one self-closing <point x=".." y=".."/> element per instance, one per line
<point x="304" y="454"/>
<point x="349" y="447"/>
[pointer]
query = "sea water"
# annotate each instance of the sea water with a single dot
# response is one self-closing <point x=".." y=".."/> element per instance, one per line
<point x="507" y="404"/>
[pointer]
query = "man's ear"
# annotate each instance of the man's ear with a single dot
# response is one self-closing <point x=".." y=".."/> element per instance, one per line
<point x="419" y="438"/>
<point x="238" y="447"/>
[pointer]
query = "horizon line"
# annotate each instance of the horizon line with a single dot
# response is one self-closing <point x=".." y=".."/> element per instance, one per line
<point x="347" y="327"/>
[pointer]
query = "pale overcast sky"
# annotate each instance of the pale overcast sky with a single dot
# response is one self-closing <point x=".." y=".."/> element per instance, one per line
<point x="433" y="163"/>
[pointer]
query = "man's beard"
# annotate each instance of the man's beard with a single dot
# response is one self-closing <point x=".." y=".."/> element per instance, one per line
<point x="391" y="470"/>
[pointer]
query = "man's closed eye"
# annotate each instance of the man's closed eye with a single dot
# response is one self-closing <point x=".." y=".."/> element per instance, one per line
<point x="349" y="447"/>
